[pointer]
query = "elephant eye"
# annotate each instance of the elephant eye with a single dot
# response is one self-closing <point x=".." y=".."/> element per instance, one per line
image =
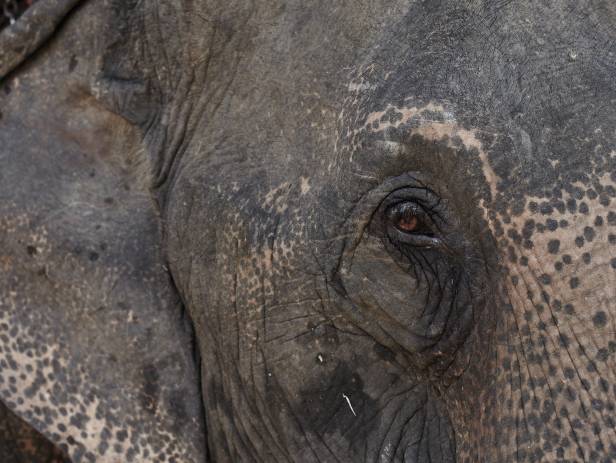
<point x="408" y="223"/>
<point x="405" y="216"/>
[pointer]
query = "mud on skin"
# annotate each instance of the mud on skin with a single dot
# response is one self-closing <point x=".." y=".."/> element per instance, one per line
<point x="382" y="231"/>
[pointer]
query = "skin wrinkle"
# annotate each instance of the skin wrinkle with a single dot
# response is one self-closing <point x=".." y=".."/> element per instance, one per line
<point x="520" y="383"/>
<point x="391" y="339"/>
<point x="385" y="314"/>
<point x="584" y="387"/>
<point x="303" y="433"/>
<point x="530" y="375"/>
<point x="252" y="446"/>
<point x="269" y="425"/>
<point x="401" y="434"/>
<point x="266" y="415"/>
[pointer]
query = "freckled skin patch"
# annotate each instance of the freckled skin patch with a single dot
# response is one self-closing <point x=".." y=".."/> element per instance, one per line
<point x="48" y="378"/>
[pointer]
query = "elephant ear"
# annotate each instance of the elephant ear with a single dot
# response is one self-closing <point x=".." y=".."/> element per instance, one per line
<point x="96" y="351"/>
<point x="19" y="442"/>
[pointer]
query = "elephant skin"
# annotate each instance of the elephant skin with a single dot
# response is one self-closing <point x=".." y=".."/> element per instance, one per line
<point x="369" y="230"/>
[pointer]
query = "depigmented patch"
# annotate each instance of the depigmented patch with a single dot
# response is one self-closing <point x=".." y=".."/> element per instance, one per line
<point x="433" y="122"/>
<point x="304" y="185"/>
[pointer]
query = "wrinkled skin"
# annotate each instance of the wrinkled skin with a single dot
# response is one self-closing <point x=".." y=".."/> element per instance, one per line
<point x="274" y="139"/>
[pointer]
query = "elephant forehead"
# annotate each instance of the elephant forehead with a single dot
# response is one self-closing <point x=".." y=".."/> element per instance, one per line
<point x="537" y="155"/>
<point x="545" y="104"/>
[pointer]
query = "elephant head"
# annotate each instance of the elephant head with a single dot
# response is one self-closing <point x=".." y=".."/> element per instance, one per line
<point x="289" y="231"/>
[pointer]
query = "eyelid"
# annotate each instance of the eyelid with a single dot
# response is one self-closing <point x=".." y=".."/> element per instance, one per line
<point x="415" y="239"/>
<point x="424" y="198"/>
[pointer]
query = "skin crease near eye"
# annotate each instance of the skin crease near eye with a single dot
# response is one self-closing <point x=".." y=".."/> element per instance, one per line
<point x="408" y="272"/>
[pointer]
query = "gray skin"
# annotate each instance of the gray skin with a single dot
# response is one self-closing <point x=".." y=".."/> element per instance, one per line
<point x="205" y="262"/>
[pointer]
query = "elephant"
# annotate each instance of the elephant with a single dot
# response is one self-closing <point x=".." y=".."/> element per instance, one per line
<point x="311" y="231"/>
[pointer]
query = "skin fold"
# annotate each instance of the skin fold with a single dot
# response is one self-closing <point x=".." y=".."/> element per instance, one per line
<point x="22" y="443"/>
<point x="204" y="224"/>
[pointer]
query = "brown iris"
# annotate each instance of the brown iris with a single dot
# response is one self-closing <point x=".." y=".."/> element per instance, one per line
<point x="407" y="223"/>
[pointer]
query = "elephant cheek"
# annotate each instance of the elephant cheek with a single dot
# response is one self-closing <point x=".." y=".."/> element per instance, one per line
<point x="285" y="377"/>
<point x="554" y="371"/>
